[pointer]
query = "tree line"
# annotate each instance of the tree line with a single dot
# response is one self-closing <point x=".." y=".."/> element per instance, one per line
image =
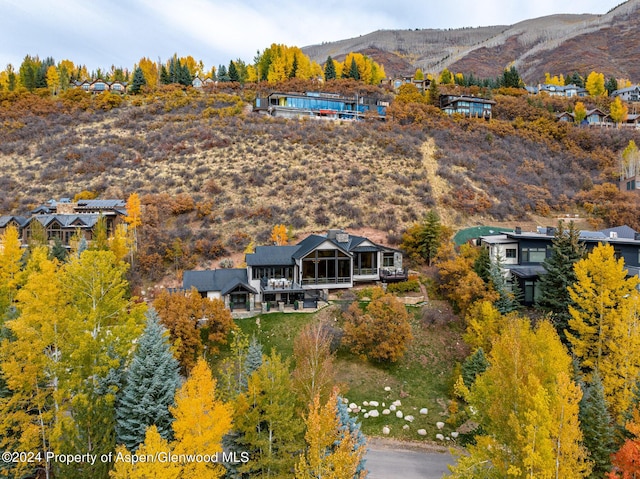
<point x="567" y="373"/>
<point x="86" y="368"/>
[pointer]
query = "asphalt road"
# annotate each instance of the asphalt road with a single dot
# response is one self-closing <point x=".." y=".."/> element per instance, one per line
<point x="394" y="462"/>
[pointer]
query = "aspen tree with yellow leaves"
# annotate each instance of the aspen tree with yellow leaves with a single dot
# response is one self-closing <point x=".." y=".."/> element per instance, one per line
<point x="533" y="430"/>
<point x="618" y="111"/>
<point x="330" y="452"/>
<point x="29" y="362"/>
<point x="595" y="84"/>
<point x="200" y="422"/>
<point x="604" y="329"/>
<point x="133" y="218"/>
<point x="153" y="446"/>
<point x="279" y="235"/>
<point x="10" y="274"/>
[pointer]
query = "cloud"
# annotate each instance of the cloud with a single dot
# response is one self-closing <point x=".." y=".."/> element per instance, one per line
<point x="120" y="32"/>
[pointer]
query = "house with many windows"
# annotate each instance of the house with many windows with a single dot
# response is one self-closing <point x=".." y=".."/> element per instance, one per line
<point x="470" y="106"/>
<point x="522" y="253"/>
<point x="321" y="105"/>
<point x="567" y="91"/>
<point x="62" y="219"/>
<point x="629" y="94"/>
<point x="99" y="86"/>
<point x="302" y="273"/>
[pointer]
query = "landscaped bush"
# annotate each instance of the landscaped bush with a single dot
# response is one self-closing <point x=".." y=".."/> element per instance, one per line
<point x="410" y="286"/>
<point x="379" y="331"/>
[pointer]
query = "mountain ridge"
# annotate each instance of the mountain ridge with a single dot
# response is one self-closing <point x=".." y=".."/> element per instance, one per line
<point x="561" y="43"/>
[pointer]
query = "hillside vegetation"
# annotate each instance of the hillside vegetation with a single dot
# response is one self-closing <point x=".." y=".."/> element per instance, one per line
<point x="215" y="176"/>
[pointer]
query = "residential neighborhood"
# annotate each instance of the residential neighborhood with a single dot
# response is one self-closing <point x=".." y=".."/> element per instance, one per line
<point x="405" y="243"/>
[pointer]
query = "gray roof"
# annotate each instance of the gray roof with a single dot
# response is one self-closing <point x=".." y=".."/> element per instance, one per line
<point x="529" y="271"/>
<point x="216" y="279"/>
<point x="310" y="243"/>
<point x="625" y="90"/>
<point x="586" y="234"/>
<point x="68" y="221"/>
<point x="272" y="256"/>
<point x="5" y="220"/>
<point x="101" y="204"/>
<point x="623" y="231"/>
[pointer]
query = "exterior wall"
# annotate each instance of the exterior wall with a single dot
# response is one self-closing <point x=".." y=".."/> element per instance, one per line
<point x="216" y="295"/>
<point x="530" y="256"/>
<point x="500" y="249"/>
<point x="326" y="246"/>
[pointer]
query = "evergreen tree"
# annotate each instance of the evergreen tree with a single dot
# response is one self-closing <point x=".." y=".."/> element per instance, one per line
<point x="575" y="79"/>
<point x="223" y="76"/>
<point x="611" y="85"/>
<point x="474" y="365"/>
<point x="349" y="426"/>
<point x="511" y="78"/>
<point x="165" y="79"/>
<point x="554" y="296"/>
<point x="233" y="72"/>
<point x="597" y="428"/>
<point x="82" y="246"/>
<point x="434" y="93"/>
<point x="294" y="67"/>
<point x="422" y="240"/>
<point x="58" y="250"/>
<point x="252" y="362"/>
<point x="138" y="81"/>
<point x="150" y="386"/>
<point x="353" y="70"/>
<point x="508" y="292"/>
<point x="329" y="69"/>
<point x="184" y="75"/>
<point x="482" y="264"/>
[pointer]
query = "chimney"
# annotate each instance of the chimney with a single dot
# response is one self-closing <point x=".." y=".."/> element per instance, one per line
<point x="331" y="234"/>
<point x="551" y="231"/>
<point x="518" y="230"/>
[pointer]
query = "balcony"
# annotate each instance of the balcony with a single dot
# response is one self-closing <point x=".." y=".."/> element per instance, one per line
<point x="365" y="272"/>
<point x="346" y="280"/>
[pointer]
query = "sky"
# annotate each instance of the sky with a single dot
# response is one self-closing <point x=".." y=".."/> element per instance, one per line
<point x="103" y="33"/>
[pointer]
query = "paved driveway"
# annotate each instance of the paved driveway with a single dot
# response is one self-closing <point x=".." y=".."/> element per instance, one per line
<point x="393" y="461"/>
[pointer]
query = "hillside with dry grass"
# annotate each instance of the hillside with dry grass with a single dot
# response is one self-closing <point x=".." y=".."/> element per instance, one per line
<point x="214" y="176"/>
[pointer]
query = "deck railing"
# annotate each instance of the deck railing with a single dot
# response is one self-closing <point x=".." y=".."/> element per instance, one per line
<point x="332" y="280"/>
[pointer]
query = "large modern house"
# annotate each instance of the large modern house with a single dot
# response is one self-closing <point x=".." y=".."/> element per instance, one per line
<point x="469" y="106"/>
<point x="62" y="219"/>
<point x="522" y="253"/>
<point x="321" y="105"/>
<point x="294" y="274"/>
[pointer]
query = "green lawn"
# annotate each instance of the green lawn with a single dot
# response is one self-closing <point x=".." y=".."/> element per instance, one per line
<point x="421" y="379"/>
